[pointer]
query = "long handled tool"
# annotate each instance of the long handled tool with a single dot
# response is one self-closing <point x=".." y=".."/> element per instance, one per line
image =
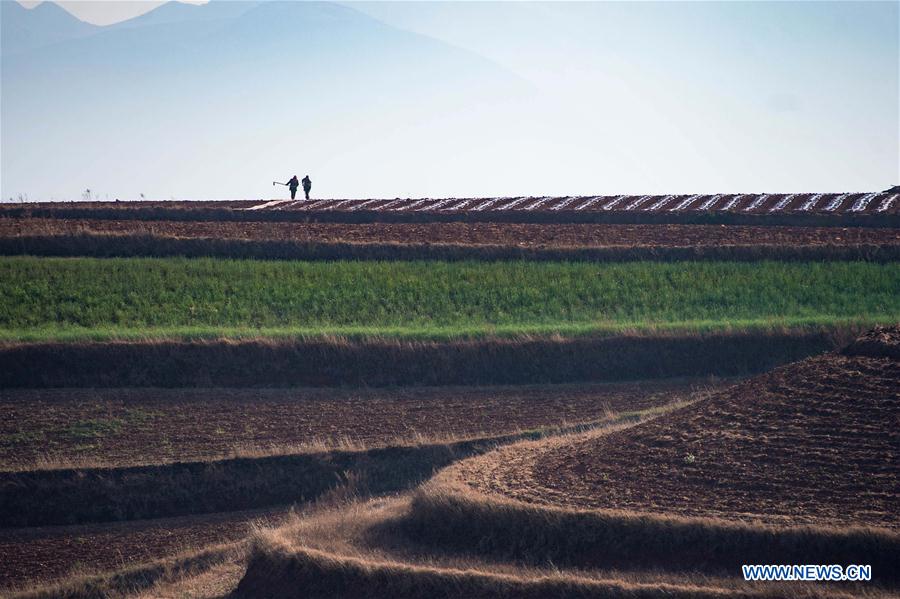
<point x="279" y="183"/>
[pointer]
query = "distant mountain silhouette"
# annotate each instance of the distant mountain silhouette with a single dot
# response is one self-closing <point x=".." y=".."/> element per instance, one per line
<point x="160" y="98"/>
<point x="173" y="12"/>
<point x="47" y="23"/>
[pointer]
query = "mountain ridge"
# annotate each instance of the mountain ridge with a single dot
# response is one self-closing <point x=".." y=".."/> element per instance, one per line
<point x="253" y="66"/>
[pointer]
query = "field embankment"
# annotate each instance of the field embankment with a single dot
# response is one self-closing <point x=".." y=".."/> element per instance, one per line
<point x="305" y="573"/>
<point x="132" y="246"/>
<point x="456" y="522"/>
<point x="76" y="496"/>
<point x="362" y="550"/>
<point x="331" y="363"/>
<point x="462" y="234"/>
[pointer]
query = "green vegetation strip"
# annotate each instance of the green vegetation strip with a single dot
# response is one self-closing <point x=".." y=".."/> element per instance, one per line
<point x="87" y="298"/>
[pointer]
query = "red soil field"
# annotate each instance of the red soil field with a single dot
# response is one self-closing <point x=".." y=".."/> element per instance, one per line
<point x="35" y="555"/>
<point x="145" y="426"/>
<point x="456" y="233"/>
<point x="811" y="443"/>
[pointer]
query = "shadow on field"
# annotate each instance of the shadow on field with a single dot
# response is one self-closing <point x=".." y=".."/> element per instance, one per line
<point x="342" y="362"/>
<point x="77" y="496"/>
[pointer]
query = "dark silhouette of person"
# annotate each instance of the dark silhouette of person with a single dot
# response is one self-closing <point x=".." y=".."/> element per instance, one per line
<point x="294" y="184"/>
<point x="307" y="185"/>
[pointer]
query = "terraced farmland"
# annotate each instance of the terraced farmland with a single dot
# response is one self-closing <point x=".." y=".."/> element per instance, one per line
<point x="114" y="438"/>
<point x="746" y="454"/>
<point x="494" y="397"/>
<point x="770" y="469"/>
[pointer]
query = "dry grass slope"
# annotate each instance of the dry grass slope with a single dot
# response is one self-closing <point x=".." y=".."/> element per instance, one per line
<point x="287" y="572"/>
<point x="343" y="362"/>
<point x="361" y="550"/>
<point x="457" y="520"/>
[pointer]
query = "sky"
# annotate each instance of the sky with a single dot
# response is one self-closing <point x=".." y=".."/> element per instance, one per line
<point x="107" y="12"/>
<point x="591" y="98"/>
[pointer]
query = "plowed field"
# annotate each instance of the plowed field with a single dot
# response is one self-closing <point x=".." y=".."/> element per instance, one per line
<point x="30" y="555"/>
<point x="475" y="233"/>
<point x="155" y="426"/>
<point x="813" y="442"/>
<point x="753" y="203"/>
<point x="146" y="426"/>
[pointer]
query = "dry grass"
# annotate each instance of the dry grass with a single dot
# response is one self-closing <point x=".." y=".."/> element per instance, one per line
<point x="353" y="483"/>
<point x="457" y="519"/>
<point x="355" y="550"/>
<point x="215" y="583"/>
<point x="135" y="580"/>
<point x="246" y="450"/>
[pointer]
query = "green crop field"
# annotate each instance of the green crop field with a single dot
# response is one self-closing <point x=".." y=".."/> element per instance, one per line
<point x="87" y="298"/>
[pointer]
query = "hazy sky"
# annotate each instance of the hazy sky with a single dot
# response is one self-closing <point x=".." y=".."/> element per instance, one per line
<point x="106" y="12"/>
<point x="616" y="97"/>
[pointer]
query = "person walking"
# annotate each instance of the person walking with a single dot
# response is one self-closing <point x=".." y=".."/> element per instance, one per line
<point x="307" y="185"/>
<point x="293" y="184"/>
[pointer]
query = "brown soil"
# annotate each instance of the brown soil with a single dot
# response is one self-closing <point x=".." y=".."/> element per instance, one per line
<point x="828" y="210"/>
<point x="145" y="426"/>
<point x="475" y="233"/>
<point x="880" y="342"/>
<point x="814" y="442"/>
<point x="32" y="555"/>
